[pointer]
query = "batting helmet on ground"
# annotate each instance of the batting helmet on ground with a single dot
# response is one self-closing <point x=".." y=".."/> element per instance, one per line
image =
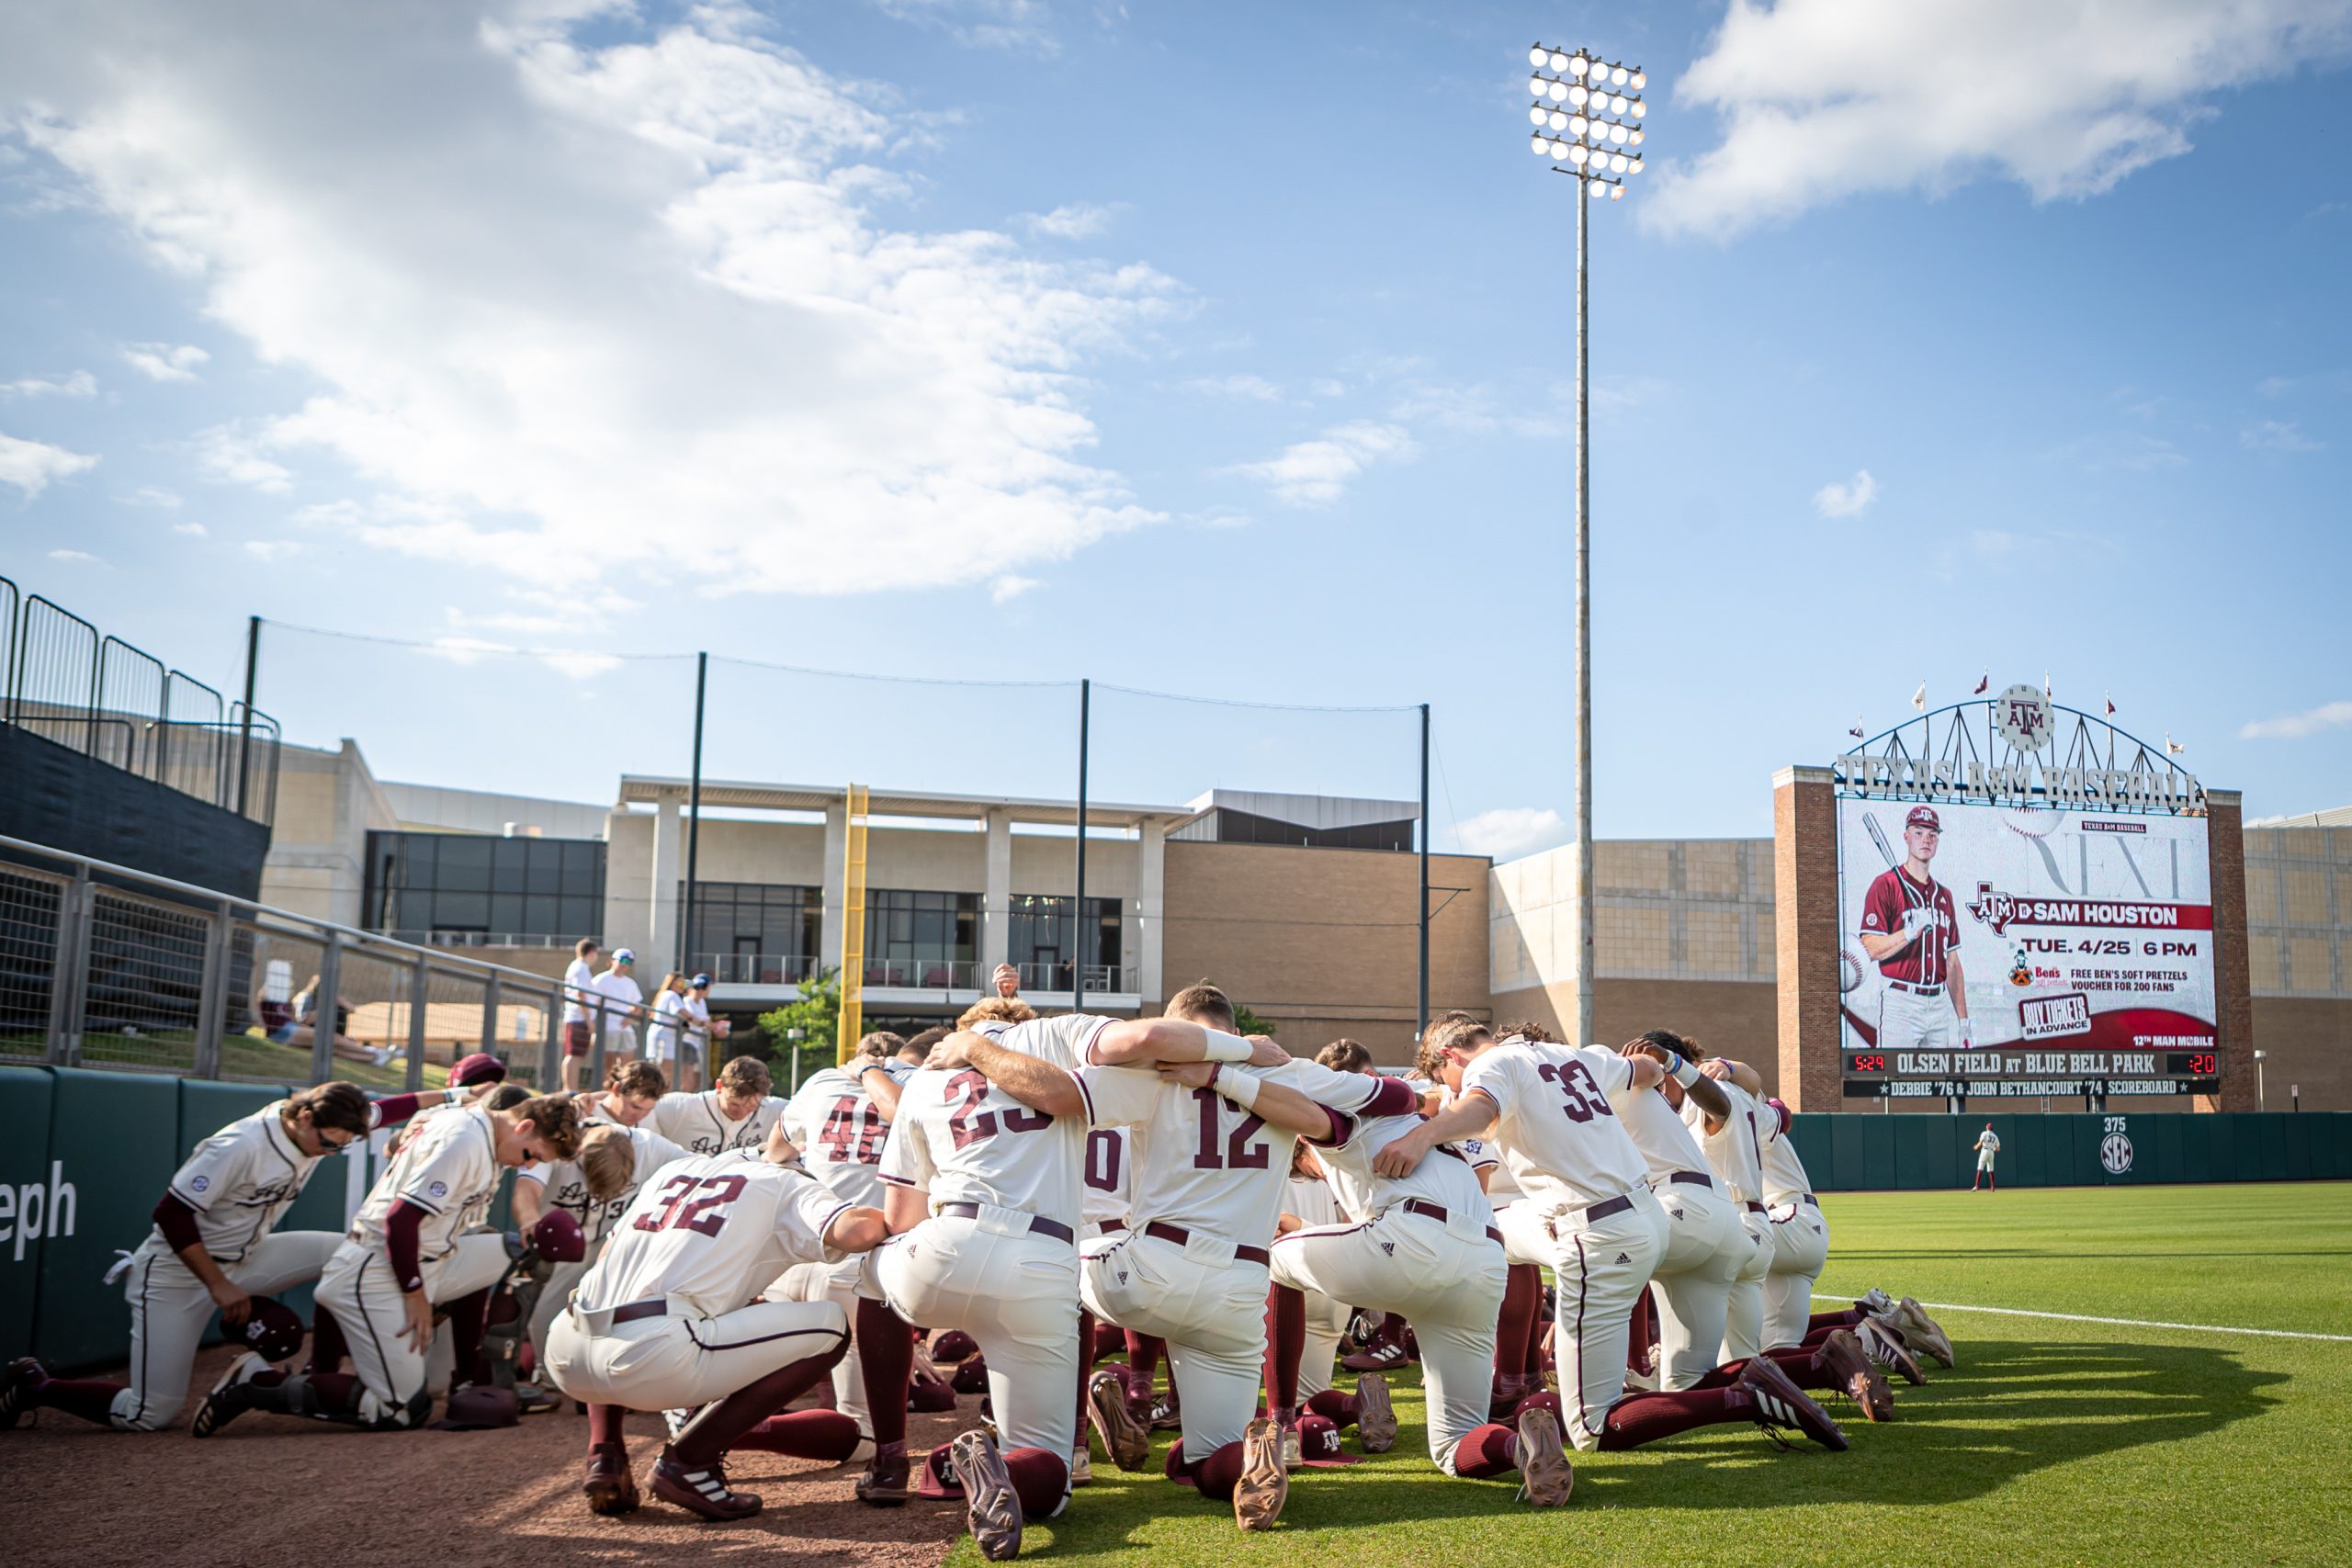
<point x="271" y="1330"/>
<point x="480" y="1404"/>
<point x="954" y="1345"/>
<point x="558" y="1237"/>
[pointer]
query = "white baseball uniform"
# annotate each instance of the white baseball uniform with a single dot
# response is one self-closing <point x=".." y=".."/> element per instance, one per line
<point x="1589" y="1215"/>
<point x="449" y="1170"/>
<point x="1192" y="1269"/>
<point x="1988" y="1144"/>
<point x="1734" y="1153"/>
<point x="1800" y="1239"/>
<point x="1309" y="1201"/>
<point x="238" y="1183"/>
<point x="1704" y="1242"/>
<point x="998" y="1257"/>
<point x="566" y="1188"/>
<point x="1427" y="1248"/>
<point x="668" y="1318"/>
<point x="840" y="1132"/>
<point x="699" y="1124"/>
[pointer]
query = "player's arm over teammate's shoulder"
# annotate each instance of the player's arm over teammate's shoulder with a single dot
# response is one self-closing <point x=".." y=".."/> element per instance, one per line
<point x="1276" y="1102"/>
<point x="1034" y="1081"/>
<point x="1141" y="1042"/>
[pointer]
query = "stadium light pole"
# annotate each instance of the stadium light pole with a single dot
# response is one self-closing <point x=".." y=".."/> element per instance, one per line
<point x="1586" y="113"/>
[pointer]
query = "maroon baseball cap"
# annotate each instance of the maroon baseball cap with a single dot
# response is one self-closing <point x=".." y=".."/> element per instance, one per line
<point x="1319" y="1444"/>
<point x="1923" y="817"/>
<point x="479" y="1068"/>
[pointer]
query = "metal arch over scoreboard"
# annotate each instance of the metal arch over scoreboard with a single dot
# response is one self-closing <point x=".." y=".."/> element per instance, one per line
<point x="2025" y="909"/>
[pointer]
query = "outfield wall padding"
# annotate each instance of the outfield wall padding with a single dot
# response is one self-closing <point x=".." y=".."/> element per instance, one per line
<point x="1852" y="1152"/>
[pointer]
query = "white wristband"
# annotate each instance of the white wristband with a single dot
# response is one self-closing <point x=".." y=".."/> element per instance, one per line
<point x="1224" y="1047"/>
<point x="1241" y="1089"/>
<point x="1686" y="1071"/>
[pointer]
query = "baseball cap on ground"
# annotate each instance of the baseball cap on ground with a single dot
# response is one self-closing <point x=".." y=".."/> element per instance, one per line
<point x="477" y="1069"/>
<point x="271" y="1329"/>
<point x="1923" y="817"/>
<point x="1319" y="1444"/>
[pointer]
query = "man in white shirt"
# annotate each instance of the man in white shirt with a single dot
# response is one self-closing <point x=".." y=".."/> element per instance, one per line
<point x="623" y="1002"/>
<point x="1590" y="1212"/>
<point x="579" y="984"/>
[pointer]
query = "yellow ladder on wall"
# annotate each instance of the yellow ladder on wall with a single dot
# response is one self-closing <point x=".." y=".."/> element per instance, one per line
<point x="853" y="1016"/>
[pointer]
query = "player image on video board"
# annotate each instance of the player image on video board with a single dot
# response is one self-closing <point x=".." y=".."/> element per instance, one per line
<point x="2027" y="929"/>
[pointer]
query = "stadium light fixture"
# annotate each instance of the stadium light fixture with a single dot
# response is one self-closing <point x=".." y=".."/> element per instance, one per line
<point x="1586" y="113"/>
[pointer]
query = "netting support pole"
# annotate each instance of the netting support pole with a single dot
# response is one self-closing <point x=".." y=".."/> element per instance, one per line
<point x="1421" y="996"/>
<point x="323" y="1006"/>
<point x="210" y="1000"/>
<point x="694" y="821"/>
<point x="1078" y="910"/>
<point x="245" y="724"/>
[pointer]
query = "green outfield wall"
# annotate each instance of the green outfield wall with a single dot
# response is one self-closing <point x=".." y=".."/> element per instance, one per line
<point x="83" y="1156"/>
<point x="1861" y="1152"/>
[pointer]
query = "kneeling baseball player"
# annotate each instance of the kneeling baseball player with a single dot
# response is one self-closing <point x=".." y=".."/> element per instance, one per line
<point x="668" y="1319"/>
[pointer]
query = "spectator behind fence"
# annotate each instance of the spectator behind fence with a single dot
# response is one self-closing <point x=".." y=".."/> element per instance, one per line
<point x="579" y="980"/>
<point x="623" y="1002"/>
<point x="703" y="1035"/>
<point x="668" y="1010"/>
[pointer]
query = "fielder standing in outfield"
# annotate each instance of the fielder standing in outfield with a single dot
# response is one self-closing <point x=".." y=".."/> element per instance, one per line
<point x="1988" y="1144"/>
<point x="408" y="1251"/>
<point x="1911" y="931"/>
<point x="215" y="1246"/>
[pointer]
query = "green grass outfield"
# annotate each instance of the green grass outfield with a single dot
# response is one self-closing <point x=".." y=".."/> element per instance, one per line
<point x="2052" y="1441"/>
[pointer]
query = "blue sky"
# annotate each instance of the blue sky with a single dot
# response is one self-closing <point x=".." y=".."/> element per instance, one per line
<point x="1195" y="348"/>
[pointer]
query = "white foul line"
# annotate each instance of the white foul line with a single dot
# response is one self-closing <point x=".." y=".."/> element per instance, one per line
<point x="2119" y="1322"/>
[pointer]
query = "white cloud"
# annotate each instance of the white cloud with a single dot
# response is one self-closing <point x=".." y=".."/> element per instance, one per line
<point x="570" y="273"/>
<point x="1325" y="387"/>
<point x="1075" y="220"/>
<point x="231" y="457"/>
<point x="2132" y="451"/>
<point x="1007" y="587"/>
<point x="1851" y="499"/>
<point x="193" y="530"/>
<point x="1824" y="99"/>
<point x="31" y="466"/>
<point x="2277" y="435"/>
<point x="1510" y="832"/>
<point x="74" y="557"/>
<point x="164" y="361"/>
<point x="149" y="495"/>
<point x="80" y="383"/>
<point x="272" y="550"/>
<point x="1243" y="386"/>
<point x="984" y="24"/>
<point x="1314" y="473"/>
<point x="2297" y="725"/>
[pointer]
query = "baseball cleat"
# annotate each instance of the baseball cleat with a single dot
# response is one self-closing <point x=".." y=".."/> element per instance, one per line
<point x="994" y="1509"/>
<point x="530" y="1399"/>
<point x="885" y="1483"/>
<point x="1911" y="1320"/>
<point x="1293" y="1455"/>
<point x="227" y="1401"/>
<point x="1165" y="1418"/>
<point x="1264" y="1486"/>
<point x="1380" y="1358"/>
<point x="18" y="1381"/>
<point x="1779" y="1402"/>
<point x="609" y="1485"/>
<point x="1375" y="1417"/>
<point x="675" y="1421"/>
<point x="1546" y="1476"/>
<point x="1876" y="1300"/>
<point x="1887" y="1349"/>
<point x="1858" y="1376"/>
<point x="1123" y="1437"/>
<point x="702" y="1492"/>
<point x="1081" y="1467"/>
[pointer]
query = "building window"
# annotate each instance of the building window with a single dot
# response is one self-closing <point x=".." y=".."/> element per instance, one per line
<point x="928" y="940"/>
<point x="466" y="888"/>
<point x="1042" y="946"/>
<point x="1227" y="825"/>
<point x="753" y="932"/>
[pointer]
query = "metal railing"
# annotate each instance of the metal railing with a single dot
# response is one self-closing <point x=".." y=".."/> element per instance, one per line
<point x="1105" y="978"/>
<point x="104" y="966"/>
<point x="755" y="968"/>
<point x="68" y="683"/>
<point x="480" y="939"/>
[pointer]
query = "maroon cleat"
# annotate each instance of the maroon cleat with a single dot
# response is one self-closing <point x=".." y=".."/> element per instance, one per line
<point x="993" y="1507"/>
<point x="1123" y="1437"/>
<point x="1375" y="1416"/>
<point x="702" y="1492"/>
<point x="1381" y="1357"/>
<point x="1780" y="1402"/>
<point x="885" y="1483"/>
<point x="18" y="1381"/>
<point x="609" y="1485"/>
<point x="1887" y="1347"/>
<point x="1859" y="1378"/>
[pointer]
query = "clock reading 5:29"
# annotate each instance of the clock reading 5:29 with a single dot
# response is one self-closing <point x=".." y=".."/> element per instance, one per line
<point x="1874" y="1063"/>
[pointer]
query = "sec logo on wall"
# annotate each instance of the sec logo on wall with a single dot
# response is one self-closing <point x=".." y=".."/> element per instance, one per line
<point x="2115" y="1154"/>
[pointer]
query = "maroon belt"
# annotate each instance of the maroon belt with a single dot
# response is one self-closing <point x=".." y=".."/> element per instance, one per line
<point x="1608" y="1206"/>
<point x="1110" y="1225"/>
<point x="1180" y="1235"/>
<point x="1430" y="1210"/>
<point x="1693" y="1178"/>
<point x="1037" y="1223"/>
<point x="636" y="1310"/>
<point x="1756" y="1208"/>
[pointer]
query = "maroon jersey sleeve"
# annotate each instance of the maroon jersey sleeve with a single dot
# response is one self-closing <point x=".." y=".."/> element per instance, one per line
<point x="1882" y="906"/>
